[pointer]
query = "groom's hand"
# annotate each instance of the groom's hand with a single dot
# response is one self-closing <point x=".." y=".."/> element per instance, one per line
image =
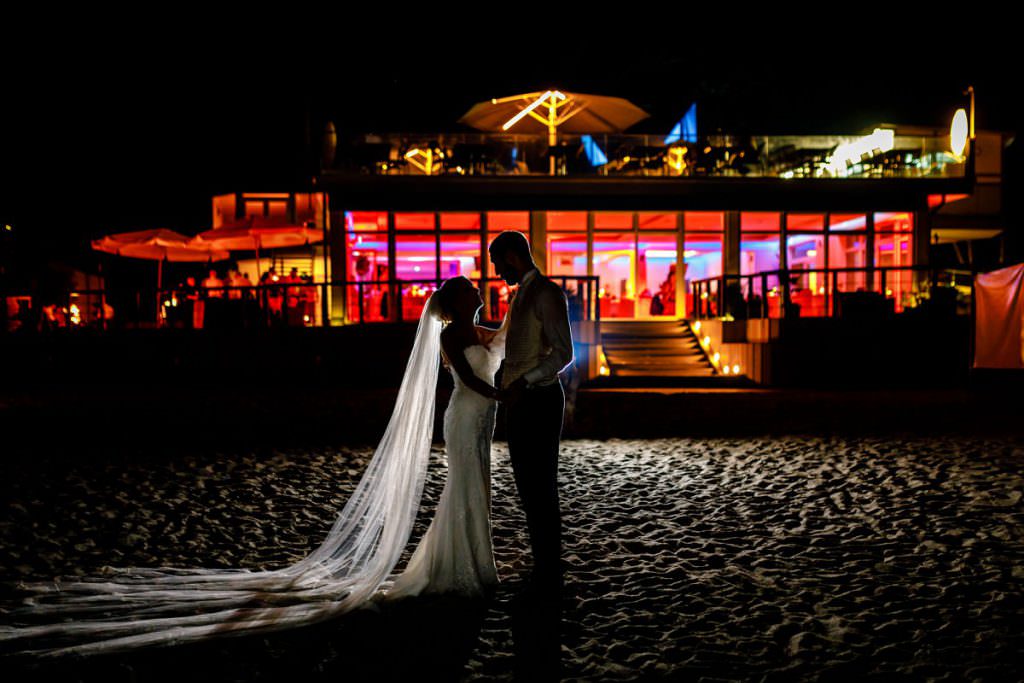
<point x="514" y="391"/>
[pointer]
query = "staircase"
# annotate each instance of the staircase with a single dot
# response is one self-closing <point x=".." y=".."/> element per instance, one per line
<point x="663" y="353"/>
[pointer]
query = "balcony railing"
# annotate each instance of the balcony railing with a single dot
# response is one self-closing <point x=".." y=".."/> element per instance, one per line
<point x="828" y="292"/>
<point x="267" y="306"/>
<point x="879" y="155"/>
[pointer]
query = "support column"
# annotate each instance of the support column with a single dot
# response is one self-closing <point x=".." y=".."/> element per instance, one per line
<point x="590" y="243"/>
<point x="393" y="288"/>
<point x="680" y="283"/>
<point x="921" y="244"/>
<point x="731" y="244"/>
<point x="869" y="261"/>
<point x="539" y="239"/>
<point x="338" y="259"/>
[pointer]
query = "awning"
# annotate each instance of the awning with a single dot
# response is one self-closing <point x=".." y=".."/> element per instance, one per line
<point x="961" y="234"/>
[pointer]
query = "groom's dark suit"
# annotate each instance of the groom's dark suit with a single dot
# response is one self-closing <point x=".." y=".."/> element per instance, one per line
<point x="538" y="346"/>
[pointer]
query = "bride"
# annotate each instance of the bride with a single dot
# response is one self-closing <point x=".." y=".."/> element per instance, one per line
<point x="131" y="607"/>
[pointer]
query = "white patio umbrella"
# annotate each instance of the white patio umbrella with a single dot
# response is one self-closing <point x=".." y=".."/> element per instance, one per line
<point x="247" y="237"/>
<point x="159" y="245"/>
<point x="552" y="111"/>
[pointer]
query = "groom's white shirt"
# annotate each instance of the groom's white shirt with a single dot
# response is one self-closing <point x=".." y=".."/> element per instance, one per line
<point x="539" y="343"/>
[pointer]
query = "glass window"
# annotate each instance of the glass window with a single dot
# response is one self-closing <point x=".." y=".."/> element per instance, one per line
<point x="366" y="220"/>
<point x="414" y="221"/>
<point x="894" y="250"/>
<point x="460" y="255"/>
<point x="560" y="221"/>
<point x="567" y="254"/>
<point x="367" y="250"/>
<point x="499" y="221"/>
<point x="607" y="220"/>
<point x="848" y="251"/>
<point x="614" y="255"/>
<point x="806" y="222"/>
<point x="894" y="222"/>
<point x="657" y="221"/>
<point x="460" y="221"/>
<point x="702" y="258"/>
<point x="806" y="261"/>
<point x="704" y="221"/>
<point x="759" y="221"/>
<point x="415" y="257"/>
<point x="656" y="275"/>
<point x="759" y="252"/>
<point x="844" y="222"/>
<point x="805" y="252"/>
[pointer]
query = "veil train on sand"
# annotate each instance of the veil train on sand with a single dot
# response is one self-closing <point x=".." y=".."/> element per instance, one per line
<point x="127" y="608"/>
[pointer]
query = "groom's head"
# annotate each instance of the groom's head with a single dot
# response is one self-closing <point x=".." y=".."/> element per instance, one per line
<point x="511" y="256"/>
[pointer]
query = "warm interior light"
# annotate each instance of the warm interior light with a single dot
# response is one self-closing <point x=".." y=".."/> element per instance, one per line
<point x="707" y="340"/>
<point x="716" y="357"/>
<point x="736" y="369"/>
<point x="725" y="370"/>
<point x="812" y="252"/>
<point x="696" y="326"/>
<point x="604" y="371"/>
<point x="958" y="133"/>
<point x="536" y="103"/>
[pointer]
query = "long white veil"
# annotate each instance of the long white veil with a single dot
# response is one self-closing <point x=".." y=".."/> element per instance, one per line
<point x="127" y="608"/>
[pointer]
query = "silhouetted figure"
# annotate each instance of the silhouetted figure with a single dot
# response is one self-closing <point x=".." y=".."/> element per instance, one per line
<point x="273" y="298"/>
<point x="538" y="347"/>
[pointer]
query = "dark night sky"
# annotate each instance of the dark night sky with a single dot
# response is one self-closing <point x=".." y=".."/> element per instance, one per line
<point x="118" y="134"/>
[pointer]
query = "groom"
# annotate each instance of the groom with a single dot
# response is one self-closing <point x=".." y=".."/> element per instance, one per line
<point x="538" y="346"/>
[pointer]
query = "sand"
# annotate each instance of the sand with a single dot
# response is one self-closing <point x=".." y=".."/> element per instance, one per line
<point x="771" y="558"/>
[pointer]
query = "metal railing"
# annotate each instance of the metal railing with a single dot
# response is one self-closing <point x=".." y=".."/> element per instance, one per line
<point x="283" y="304"/>
<point x="720" y="155"/>
<point x="828" y="292"/>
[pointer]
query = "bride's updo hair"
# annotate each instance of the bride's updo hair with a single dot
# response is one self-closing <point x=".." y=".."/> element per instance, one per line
<point x="442" y="301"/>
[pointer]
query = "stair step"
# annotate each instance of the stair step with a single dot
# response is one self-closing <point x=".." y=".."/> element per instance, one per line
<point x="642" y="350"/>
<point x="655" y="368"/>
<point x="654" y="354"/>
<point x="706" y="381"/>
<point x="695" y="372"/>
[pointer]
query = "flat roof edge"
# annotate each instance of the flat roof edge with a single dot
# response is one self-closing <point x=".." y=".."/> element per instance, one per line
<point x="349" y="191"/>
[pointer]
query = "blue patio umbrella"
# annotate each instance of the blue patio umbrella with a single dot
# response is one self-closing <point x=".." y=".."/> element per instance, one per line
<point x="686" y="128"/>
<point x="595" y="155"/>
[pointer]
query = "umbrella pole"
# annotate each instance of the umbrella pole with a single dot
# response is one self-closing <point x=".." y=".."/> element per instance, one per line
<point x="159" y="286"/>
<point x="552" y="135"/>
<point x="260" y="293"/>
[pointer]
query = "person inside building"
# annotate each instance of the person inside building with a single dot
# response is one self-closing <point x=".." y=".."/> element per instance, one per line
<point x="293" y="297"/>
<point x="272" y="296"/>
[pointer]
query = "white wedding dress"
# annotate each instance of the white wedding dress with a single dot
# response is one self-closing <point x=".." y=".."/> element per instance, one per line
<point x="455" y="555"/>
<point x="125" y="608"/>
